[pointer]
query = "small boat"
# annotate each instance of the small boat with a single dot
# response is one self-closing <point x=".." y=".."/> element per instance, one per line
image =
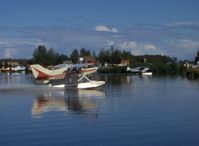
<point x="141" y="70"/>
<point x="75" y="80"/>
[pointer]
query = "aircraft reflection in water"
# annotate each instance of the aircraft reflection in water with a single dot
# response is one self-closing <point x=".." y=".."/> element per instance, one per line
<point x="77" y="101"/>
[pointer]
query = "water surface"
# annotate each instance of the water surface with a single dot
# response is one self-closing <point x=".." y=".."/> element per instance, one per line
<point x="128" y="110"/>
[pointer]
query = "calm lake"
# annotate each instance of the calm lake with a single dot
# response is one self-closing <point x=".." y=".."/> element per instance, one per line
<point x="128" y="110"/>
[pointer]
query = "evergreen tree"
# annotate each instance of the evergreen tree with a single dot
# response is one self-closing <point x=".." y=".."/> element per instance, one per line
<point x="126" y="55"/>
<point x="94" y="54"/>
<point x="40" y="55"/>
<point x="61" y="58"/>
<point x="84" y="52"/>
<point x="46" y="57"/>
<point x="104" y="56"/>
<point x="115" y="56"/>
<point x="197" y="57"/>
<point x="74" y="56"/>
<point x="1" y="65"/>
<point x="52" y="57"/>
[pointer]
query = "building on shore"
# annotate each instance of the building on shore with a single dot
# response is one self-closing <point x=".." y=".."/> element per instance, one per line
<point x="11" y="66"/>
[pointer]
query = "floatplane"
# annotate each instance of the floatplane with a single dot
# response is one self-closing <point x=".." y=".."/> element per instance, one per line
<point x="66" y="75"/>
<point x="141" y="70"/>
<point x="44" y="75"/>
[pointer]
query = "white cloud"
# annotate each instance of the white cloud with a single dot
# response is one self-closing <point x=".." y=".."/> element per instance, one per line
<point x="3" y="42"/>
<point x="183" y="48"/>
<point x="118" y="36"/>
<point x="187" y="44"/>
<point x="149" y="47"/>
<point x="8" y="53"/>
<point x="181" y="43"/>
<point x="18" y="41"/>
<point x="184" y="44"/>
<point x="178" y="24"/>
<point x="128" y="45"/>
<point x="114" y="30"/>
<point x="109" y="43"/>
<point x="140" y="48"/>
<point x="105" y="28"/>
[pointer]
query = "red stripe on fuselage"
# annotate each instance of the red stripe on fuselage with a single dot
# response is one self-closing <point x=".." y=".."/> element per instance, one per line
<point x="45" y="76"/>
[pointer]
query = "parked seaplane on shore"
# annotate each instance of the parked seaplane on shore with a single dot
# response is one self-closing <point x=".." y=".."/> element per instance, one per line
<point x="66" y="75"/>
<point x="140" y="70"/>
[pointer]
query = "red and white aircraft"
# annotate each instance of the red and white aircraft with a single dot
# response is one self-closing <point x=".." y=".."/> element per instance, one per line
<point x="44" y="75"/>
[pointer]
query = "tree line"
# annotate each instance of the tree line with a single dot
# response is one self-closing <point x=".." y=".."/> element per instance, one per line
<point x="44" y="56"/>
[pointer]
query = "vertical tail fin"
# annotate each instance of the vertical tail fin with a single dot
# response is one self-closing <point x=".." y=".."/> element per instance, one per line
<point x="40" y="72"/>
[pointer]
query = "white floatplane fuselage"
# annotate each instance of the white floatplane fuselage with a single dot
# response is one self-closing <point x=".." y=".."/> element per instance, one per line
<point x="82" y="83"/>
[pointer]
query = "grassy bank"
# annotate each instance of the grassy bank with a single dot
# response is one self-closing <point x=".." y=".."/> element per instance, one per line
<point x="112" y="69"/>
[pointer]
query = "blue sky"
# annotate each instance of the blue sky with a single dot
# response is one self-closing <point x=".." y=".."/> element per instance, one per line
<point x="167" y="27"/>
